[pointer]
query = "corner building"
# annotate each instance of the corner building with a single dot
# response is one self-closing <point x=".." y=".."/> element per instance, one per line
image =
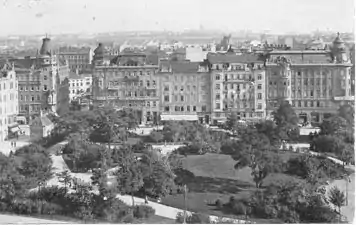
<point x="237" y="85"/>
<point x="127" y="80"/>
<point x="316" y="83"/>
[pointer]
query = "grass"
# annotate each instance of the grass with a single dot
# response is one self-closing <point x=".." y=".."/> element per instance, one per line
<point x="215" y="178"/>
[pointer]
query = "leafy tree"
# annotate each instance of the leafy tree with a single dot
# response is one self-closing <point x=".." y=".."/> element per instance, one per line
<point x="129" y="177"/>
<point x="287" y="121"/>
<point x="172" y="131"/>
<point x="156" y="136"/>
<point x="65" y="178"/>
<point x="337" y="198"/>
<point x="158" y="176"/>
<point x="335" y="125"/>
<point x="232" y="122"/>
<point x="270" y="130"/>
<point x="347" y="112"/>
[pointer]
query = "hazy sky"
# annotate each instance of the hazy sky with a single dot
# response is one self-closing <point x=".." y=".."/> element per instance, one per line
<point x="91" y="16"/>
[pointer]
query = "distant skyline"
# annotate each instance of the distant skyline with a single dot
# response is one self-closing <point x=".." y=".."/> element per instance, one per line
<point x="34" y="17"/>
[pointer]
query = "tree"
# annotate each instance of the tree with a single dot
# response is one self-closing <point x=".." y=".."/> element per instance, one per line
<point x="287" y="121"/>
<point x="232" y="122"/>
<point x="129" y="176"/>
<point x="337" y="198"/>
<point x="347" y="112"/>
<point x="65" y="178"/>
<point x="270" y="130"/>
<point x="172" y="131"/>
<point x="158" y="176"/>
<point x="156" y="136"/>
<point x="335" y="125"/>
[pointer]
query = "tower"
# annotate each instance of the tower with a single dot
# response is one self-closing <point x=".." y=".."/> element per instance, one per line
<point x="339" y="50"/>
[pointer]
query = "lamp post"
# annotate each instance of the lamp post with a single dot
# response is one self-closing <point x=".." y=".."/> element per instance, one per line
<point x="185" y="205"/>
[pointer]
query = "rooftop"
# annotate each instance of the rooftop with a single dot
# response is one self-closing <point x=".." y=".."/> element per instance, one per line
<point x="233" y="58"/>
<point x="180" y="66"/>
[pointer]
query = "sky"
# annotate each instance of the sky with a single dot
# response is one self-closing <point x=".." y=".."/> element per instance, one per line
<point x="94" y="16"/>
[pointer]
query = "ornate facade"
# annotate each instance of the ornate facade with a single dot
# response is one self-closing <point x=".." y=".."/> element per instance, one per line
<point x="128" y="80"/>
<point x="314" y="82"/>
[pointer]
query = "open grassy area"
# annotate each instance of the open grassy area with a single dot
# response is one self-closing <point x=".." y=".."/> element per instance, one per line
<point x="215" y="178"/>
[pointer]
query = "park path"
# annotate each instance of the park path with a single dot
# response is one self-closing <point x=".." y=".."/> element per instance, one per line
<point x="59" y="165"/>
<point x="12" y="219"/>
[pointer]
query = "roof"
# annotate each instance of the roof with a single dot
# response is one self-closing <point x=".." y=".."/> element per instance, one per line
<point x="233" y="58"/>
<point x="304" y="57"/>
<point x="24" y="63"/>
<point x="75" y="76"/>
<point x="181" y="66"/>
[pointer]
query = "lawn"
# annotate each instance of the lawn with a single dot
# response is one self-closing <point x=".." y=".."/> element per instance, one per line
<point x="215" y="178"/>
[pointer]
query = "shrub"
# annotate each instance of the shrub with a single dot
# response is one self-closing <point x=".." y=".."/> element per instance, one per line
<point x="84" y="213"/>
<point x="195" y="218"/>
<point x="24" y="206"/>
<point x="219" y="203"/>
<point x="238" y="208"/>
<point x="48" y="208"/>
<point x="116" y="211"/>
<point x="143" y="211"/>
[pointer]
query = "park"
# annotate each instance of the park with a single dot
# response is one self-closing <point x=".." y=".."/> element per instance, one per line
<point x="208" y="174"/>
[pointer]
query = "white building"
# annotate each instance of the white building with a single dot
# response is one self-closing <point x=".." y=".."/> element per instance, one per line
<point x="79" y="84"/>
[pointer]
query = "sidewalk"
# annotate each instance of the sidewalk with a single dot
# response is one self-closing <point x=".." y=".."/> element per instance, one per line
<point x="9" y="219"/>
<point x="6" y="148"/>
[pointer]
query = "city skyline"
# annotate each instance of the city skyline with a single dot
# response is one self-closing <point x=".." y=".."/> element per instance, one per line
<point x="35" y="17"/>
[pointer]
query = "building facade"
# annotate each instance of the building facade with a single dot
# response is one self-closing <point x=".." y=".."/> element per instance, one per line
<point x="39" y="80"/>
<point x="8" y="101"/>
<point x="127" y="80"/>
<point x="315" y="82"/>
<point x="237" y="85"/>
<point x="79" y="59"/>
<point x="79" y="84"/>
<point x="184" y="91"/>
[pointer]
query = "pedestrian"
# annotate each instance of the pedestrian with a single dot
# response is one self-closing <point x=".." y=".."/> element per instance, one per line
<point x="146" y="199"/>
<point x="15" y="144"/>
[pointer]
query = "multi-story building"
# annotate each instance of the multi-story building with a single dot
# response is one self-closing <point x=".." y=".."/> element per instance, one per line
<point x="39" y="80"/>
<point x="79" y="59"/>
<point x="128" y="80"/>
<point x="79" y="84"/>
<point x="314" y="82"/>
<point x="184" y="91"/>
<point x="237" y="85"/>
<point x="8" y="100"/>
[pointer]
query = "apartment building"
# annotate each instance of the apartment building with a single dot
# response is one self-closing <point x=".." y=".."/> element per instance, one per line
<point x="184" y="91"/>
<point x="8" y="101"/>
<point x="79" y="84"/>
<point x="79" y="59"/>
<point x="315" y="82"/>
<point x="40" y="79"/>
<point x="127" y="80"/>
<point x="237" y="85"/>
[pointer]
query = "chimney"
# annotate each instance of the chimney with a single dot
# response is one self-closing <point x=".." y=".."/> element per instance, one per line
<point x="45" y="48"/>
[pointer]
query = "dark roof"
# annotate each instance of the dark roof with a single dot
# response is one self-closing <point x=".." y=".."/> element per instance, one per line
<point x="152" y="59"/>
<point x="181" y="66"/>
<point x="304" y="57"/>
<point x="45" y="48"/>
<point x="24" y="63"/>
<point x="233" y="58"/>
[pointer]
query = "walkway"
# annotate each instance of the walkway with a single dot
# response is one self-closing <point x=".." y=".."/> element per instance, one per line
<point x="59" y="165"/>
<point x="12" y="219"/>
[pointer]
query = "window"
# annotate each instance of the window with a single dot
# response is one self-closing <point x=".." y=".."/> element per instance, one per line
<point x="176" y="108"/>
<point x="203" y="108"/>
<point x="21" y="97"/>
<point x="148" y="104"/>
<point x="176" y="88"/>
<point x="217" y="86"/>
<point x="166" y="88"/>
<point x="32" y="88"/>
<point x="166" y="98"/>
<point x="217" y="77"/>
<point x="21" y="88"/>
<point x="259" y="96"/>
<point x="194" y="108"/>
<point x="182" y="88"/>
<point x="182" y="98"/>
<point x="317" y="104"/>
<point x="217" y="97"/>
<point x="299" y="104"/>
<point x="38" y="97"/>
<point x="45" y="87"/>
<point x="182" y="108"/>
<point x="166" y="108"/>
<point x="188" y="108"/>
<point x="311" y="93"/>
<point x="44" y="77"/>
<point x="299" y="73"/>
<point x="259" y="106"/>
<point x="176" y="98"/>
<point x="217" y="106"/>
<point x="148" y="83"/>
<point x="259" y="86"/>
<point x="259" y="77"/>
<point x="32" y="98"/>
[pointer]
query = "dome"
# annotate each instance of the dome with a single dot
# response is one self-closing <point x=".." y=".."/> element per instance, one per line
<point x="339" y="44"/>
<point x="100" y="52"/>
<point x="338" y="39"/>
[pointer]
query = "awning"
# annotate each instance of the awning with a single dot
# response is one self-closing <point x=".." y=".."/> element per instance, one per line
<point x="179" y="117"/>
<point x="14" y="129"/>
